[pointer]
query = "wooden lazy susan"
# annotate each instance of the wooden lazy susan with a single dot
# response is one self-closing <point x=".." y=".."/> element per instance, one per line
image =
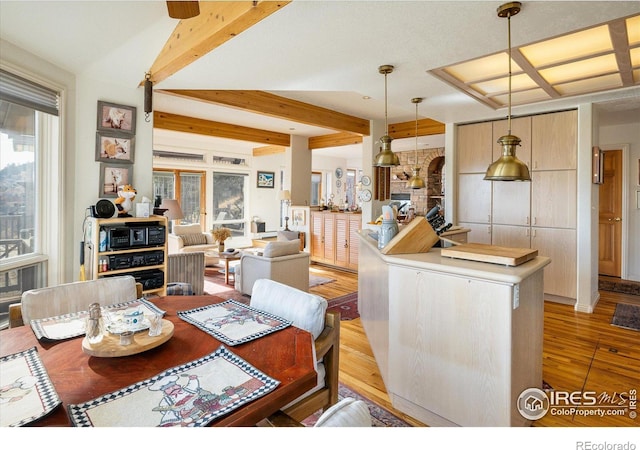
<point x="110" y="346"/>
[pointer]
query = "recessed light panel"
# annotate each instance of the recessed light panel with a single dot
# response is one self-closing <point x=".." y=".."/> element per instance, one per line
<point x="590" y="85"/>
<point x="581" y="69"/>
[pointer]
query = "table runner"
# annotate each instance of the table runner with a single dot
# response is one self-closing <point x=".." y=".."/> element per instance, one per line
<point x="190" y="395"/>
<point x="26" y="391"/>
<point x="232" y="322"/>
<point x="71" y="325"/>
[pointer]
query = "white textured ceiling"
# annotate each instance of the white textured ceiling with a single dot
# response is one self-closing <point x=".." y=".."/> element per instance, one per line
<point x="321" y="52"/>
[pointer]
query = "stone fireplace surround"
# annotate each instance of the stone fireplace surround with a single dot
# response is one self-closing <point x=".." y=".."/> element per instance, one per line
<point x="431" y="163"/>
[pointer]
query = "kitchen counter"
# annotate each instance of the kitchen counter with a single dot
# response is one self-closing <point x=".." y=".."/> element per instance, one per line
<point x="456" y="341"/>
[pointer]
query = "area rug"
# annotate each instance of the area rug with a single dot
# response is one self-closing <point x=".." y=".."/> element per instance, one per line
<point x="380" y="417"/>
<point x="347" y="306"/>
<point x="627" y="316"/>
<point x="315" y="280"/>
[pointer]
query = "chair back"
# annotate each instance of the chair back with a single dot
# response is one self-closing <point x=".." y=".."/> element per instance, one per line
<point x="77" y="296"/>
<point x="348" y="412"/>
<point x="305" y="310"/>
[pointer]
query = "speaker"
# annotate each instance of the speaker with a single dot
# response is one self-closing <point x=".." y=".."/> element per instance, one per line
<point x="104" y="209"/>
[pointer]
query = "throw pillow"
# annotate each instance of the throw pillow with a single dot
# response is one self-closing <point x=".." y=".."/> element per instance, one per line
<point x="193" y="239"/>
<point x="281" y="248"/>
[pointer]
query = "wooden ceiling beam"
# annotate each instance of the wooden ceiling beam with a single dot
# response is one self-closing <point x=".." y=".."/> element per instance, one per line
<point x="272" y="105"/>
<point x="175" y="122"/>
<point x="334" y="140"/>
<point x="268" y="150"/>
<point x="426" y="127"/>
<point x="217" y="22"/>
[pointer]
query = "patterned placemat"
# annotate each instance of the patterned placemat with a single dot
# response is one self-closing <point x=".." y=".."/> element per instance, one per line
<point x="190" y="395"/>
<point x="232" y="322"/>
<point x="72" y="325"/>
<point x="26" y="392"/>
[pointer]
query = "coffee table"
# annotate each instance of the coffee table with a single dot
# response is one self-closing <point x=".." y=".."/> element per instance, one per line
<point x="227" y="258"/>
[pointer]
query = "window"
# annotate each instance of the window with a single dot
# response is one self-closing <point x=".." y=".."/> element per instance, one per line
<point x="29" y="149"/>
<point x="187" y="186"/>
<point x="316" y="188"/>
<point x="228" y="201"/>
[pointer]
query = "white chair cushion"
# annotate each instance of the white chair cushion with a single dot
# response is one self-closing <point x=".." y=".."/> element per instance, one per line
<point x="305" y="310"/>
<point x="193" y="239"/>
<point x="281" y="248"/>
<point x="287" y="235"/>
<point x="348" y="412"/>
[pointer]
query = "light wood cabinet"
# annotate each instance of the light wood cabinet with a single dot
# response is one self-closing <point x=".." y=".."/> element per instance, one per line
<point x="511" y="213"/>
<point x="132" y="246"/>
<point x="474" y="198"/>
<point x="474" y="147"/>
<point x="334" y="238"/>
<point x="554" y="140"/>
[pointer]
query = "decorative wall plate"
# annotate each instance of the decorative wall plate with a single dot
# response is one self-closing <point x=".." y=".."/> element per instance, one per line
<point x="365" y="195"/>
<point x="338" y="172"/>
<point x="338" y="183"/>
<point x="365" y="180"/>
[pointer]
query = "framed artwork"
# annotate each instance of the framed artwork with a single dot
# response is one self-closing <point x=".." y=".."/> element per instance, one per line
<point x="113" y="117"/>
<point x="112" y="176"/>
<point x="112" y="146"/>
<point x="266" y="179"/>
<point x="299" y="216"/>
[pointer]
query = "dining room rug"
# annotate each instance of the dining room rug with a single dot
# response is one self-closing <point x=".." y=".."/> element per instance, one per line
<point x="627" y="316"/>
<point x="380" y="416"/>
<point x="346" y="305"/>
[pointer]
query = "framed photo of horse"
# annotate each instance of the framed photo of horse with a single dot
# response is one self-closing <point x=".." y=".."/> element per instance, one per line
<point x="114" y="117"/>
<point x="114" y="147"/>
<point x="112" y="176"/>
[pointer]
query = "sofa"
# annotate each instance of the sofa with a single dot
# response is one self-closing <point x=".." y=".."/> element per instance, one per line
<point x="190" y="238"/>
<point x="280" y="261"/>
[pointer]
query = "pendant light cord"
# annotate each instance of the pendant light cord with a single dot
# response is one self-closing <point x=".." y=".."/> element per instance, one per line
<point x="416" y="134"/>
<point x="386" y="126"/>
<point x="509" y="34"/>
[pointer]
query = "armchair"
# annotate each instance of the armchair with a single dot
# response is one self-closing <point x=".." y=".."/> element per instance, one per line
<point x="279" y="261"/>
<point x="190" y="238"/>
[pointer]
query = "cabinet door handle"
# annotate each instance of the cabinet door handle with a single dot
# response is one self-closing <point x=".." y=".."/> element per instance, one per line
<point x="346" y="244"/>
<point x="617" y="219"/>
<point x="527" y="221"/>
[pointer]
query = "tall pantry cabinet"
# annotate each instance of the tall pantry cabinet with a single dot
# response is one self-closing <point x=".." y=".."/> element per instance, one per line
<point x="540" y="214"/>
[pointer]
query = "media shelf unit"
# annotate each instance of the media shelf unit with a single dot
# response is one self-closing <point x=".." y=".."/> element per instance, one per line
<point x="135" y="246"/>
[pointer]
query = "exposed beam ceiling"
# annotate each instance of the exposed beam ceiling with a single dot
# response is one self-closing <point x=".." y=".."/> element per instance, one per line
<point x="261" y="102"/>
<point x="216" y="24"/>
<point x="175" y="122"/>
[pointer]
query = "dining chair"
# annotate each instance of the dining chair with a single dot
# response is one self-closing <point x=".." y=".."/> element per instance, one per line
<point x="308" y="312"/>
<point x="74" y="297"/>
<point x="348" y="412"/>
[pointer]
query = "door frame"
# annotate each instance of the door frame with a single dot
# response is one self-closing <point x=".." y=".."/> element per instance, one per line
<point x="625" y="204"/>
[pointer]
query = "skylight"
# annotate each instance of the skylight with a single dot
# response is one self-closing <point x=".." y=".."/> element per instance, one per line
<point x="600" y="58"/>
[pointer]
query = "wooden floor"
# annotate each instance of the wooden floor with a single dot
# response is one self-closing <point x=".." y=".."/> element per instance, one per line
<point x="582" y="352"/>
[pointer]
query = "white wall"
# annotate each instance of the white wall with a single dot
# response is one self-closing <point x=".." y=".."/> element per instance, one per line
<point x="611" y="136"/>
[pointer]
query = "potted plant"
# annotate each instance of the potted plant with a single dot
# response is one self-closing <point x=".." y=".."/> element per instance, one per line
<point x="220" y="235"/>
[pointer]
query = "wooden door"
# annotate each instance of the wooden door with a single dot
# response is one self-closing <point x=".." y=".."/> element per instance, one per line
<point x="317" y="236"/>
<point x="342" y="240"/>
<point x="610" y="216"/>
<point x="474" y="147"/>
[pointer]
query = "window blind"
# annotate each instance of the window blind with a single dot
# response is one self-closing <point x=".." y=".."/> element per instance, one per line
<point x="23" y="92"/>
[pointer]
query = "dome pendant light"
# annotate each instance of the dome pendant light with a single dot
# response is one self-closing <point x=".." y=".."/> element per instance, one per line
<point x="386" y="158"/>
<point x="416" y="182"/>
<point x="508" y="167"/>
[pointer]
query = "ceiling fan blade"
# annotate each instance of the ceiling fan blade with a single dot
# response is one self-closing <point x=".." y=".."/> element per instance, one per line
<point x="183" y="9"/>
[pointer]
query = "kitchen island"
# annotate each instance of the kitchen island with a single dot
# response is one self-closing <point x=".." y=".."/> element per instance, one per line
<point x="456" y="341"/>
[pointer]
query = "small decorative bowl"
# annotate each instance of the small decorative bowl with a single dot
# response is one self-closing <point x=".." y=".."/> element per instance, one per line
<point x="133" y="317"/>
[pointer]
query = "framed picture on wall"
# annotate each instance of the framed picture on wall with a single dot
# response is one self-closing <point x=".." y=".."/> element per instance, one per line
<point x="114" y="146"/>
<point x="266" y="179"/>
<point x="112" y="176"/>
<point x="113" y="117"/>
<point x="299" y="217"/>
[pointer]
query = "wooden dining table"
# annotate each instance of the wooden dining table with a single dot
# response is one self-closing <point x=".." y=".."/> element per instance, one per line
<point x="285" y="355"/>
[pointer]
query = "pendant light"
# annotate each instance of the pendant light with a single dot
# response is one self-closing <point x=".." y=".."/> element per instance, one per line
<point x="386" y="158"/>
<point x="416" y="182"/>
<point x="508" y="167"/>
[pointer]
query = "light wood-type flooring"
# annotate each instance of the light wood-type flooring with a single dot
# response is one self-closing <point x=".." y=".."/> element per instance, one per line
<point x="582" y="352"/>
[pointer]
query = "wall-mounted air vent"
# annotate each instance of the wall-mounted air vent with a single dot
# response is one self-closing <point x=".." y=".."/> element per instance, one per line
<point x="178" y="155"/>
<point x="229" y="160"/>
